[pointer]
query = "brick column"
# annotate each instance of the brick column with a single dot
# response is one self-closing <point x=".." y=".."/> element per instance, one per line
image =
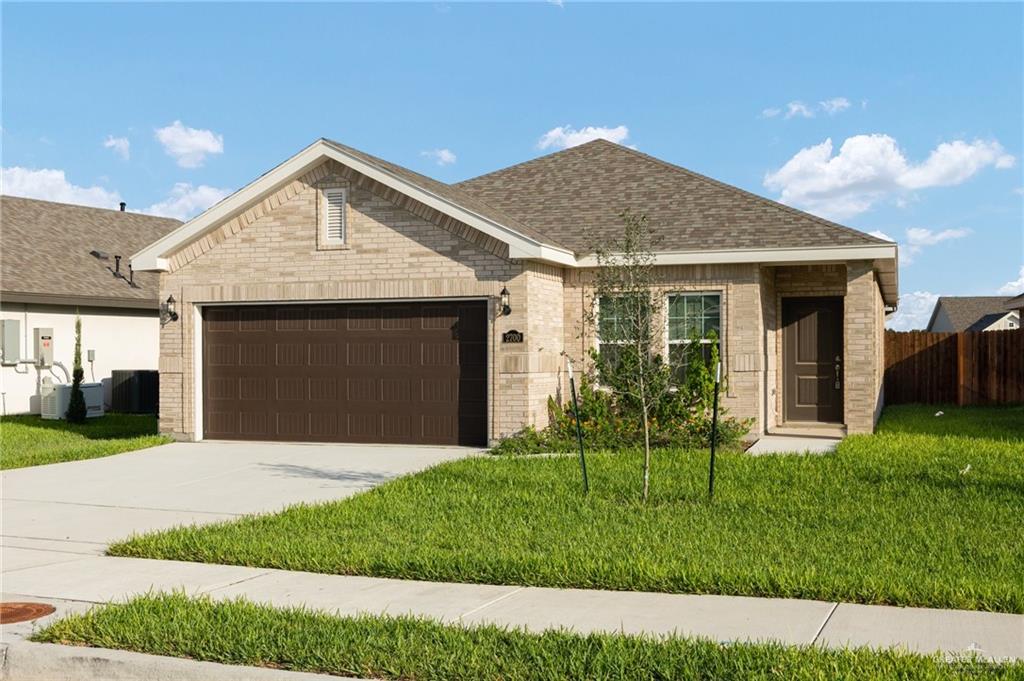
<point x="862" y="331"/>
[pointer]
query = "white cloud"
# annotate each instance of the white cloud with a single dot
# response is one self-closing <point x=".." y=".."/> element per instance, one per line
<point x="52" y="185"/>
<point x="835" y="105"/>
<point x="186" y="201"/>
<point x="1012" y="288"/>
<point x="798" y="109"/>
<point x="120" y="145"/>
<point x="954" y="162"/>
<point x="443" y="157"/>
<point x="869" y="168"/>
<point x="189" y="146"/>
<point x="770" y="112"/>
<point x="913" y="312"/>
<point x="919" y="237"/>
<point x="565" y="136"/>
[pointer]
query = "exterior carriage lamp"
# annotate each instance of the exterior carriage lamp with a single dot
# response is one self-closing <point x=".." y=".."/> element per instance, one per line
<point x="167" y="311"/>
<point x="506" y="309"/>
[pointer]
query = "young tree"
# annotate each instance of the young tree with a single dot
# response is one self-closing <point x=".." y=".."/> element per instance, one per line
<point x="625" y="314"/>
<point x="76" y="405"/>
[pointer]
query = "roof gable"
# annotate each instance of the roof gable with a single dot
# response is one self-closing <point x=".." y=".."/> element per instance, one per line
<point x="523" y="242"/>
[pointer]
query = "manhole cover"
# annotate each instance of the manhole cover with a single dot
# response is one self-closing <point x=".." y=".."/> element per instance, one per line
<point x="23" y="612"/>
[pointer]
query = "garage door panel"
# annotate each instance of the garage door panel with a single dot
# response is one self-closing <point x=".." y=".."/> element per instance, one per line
<point x="363" y="318"/>
<point x="362" y="354"/>
<point x="397" y="373"/>
<point x="252" y="319"/>
<point x="322" y="389"/>
<point x="292" y="318"/>
<point x="290" y="354"/>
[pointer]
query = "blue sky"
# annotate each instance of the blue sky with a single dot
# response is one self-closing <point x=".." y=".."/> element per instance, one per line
<point x="899" y="119"/>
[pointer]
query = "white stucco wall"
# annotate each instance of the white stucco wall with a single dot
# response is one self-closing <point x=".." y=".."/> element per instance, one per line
<point x="122" y="339"/>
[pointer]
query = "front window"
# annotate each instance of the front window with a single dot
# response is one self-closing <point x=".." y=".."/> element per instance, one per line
<point x="693" y="318"/>
<point x="612" y="332"/>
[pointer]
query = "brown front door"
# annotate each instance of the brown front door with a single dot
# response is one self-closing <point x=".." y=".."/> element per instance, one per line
<point x="812" y="337"/>
<point x="406" y="373"/>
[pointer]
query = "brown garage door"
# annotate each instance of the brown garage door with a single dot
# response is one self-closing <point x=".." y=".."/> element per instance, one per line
<point x="409" y="373"/>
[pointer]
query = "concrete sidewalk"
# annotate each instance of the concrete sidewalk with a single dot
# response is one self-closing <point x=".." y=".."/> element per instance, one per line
<point x="85" y="579"/>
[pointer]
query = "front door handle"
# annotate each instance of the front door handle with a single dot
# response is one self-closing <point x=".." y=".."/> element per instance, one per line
<point x="838" y="370"/>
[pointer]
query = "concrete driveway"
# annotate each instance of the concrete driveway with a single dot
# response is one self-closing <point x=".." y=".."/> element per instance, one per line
<point x="59" y="512"/>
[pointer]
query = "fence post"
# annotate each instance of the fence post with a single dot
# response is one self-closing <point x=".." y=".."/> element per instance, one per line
<point x="960" y="361"/>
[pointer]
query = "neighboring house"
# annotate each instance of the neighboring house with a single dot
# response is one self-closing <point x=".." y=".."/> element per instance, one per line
<point x="58" y="260"/>
<point x="973" y="313"/>
<point x="340" y="297"/>
<point x="1016" y="304"/>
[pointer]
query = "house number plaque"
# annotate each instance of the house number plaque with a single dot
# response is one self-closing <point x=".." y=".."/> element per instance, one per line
<point x="512" y="336"/>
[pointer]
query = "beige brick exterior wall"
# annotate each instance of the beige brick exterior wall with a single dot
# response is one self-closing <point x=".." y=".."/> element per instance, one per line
<point x="863" y="338"/>
<point x="400" y="249"/>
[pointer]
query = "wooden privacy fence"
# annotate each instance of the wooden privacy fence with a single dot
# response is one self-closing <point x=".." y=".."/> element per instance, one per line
<point x="985" y="367"/>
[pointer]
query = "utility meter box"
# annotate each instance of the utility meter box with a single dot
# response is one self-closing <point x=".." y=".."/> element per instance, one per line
<point x="43" y="346"/>
<point x="10" y="341"/>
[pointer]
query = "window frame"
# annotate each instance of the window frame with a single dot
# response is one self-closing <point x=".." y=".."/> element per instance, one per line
<point x="597" y="335"/>
<point x="669" y="342"/>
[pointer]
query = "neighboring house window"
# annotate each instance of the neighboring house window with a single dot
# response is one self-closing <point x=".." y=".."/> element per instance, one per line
<point x="334" y="216"/>
<point x="693" y="317"/>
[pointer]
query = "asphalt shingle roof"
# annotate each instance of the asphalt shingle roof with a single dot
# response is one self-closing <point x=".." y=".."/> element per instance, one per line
<point x="971" y="313"/>
<point x="45" y="250"/>
<point x="574" y="198"/>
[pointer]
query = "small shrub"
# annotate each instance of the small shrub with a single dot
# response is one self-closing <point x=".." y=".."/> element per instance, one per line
<point x="678" y="419"/>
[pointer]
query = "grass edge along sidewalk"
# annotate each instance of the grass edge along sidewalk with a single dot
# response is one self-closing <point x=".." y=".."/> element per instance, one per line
<point x="370" y="646"/>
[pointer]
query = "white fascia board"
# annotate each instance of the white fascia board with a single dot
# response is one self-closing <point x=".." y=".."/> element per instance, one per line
<point x="766" y="255"/>
<point x="153" y="256"/>
<point x="548" y="254"/>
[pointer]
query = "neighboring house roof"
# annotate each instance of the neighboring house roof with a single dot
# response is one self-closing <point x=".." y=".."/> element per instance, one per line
<point x="1016" y="302"/>
<point x="575" y="197"/>
<point x="45" y="253"/>
<point x="970" y="313"/>
<point x="988" y="320"/>
<point x="558" y="207"/>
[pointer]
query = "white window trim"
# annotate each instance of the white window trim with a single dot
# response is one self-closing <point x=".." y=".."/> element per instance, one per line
<point x="325" y="238"/>
<point x="703" y="341"/>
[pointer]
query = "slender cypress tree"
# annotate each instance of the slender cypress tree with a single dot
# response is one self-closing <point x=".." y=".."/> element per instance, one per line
<point x="76" y="405"/>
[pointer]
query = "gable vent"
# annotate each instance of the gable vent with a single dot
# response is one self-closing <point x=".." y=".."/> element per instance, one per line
<point x="334" y="216"/>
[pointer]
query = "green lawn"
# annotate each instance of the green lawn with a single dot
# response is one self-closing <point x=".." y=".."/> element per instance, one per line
<point x="31" y="441"/>
<point x="237" y="632"/>
<point x="888" y="518"/>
